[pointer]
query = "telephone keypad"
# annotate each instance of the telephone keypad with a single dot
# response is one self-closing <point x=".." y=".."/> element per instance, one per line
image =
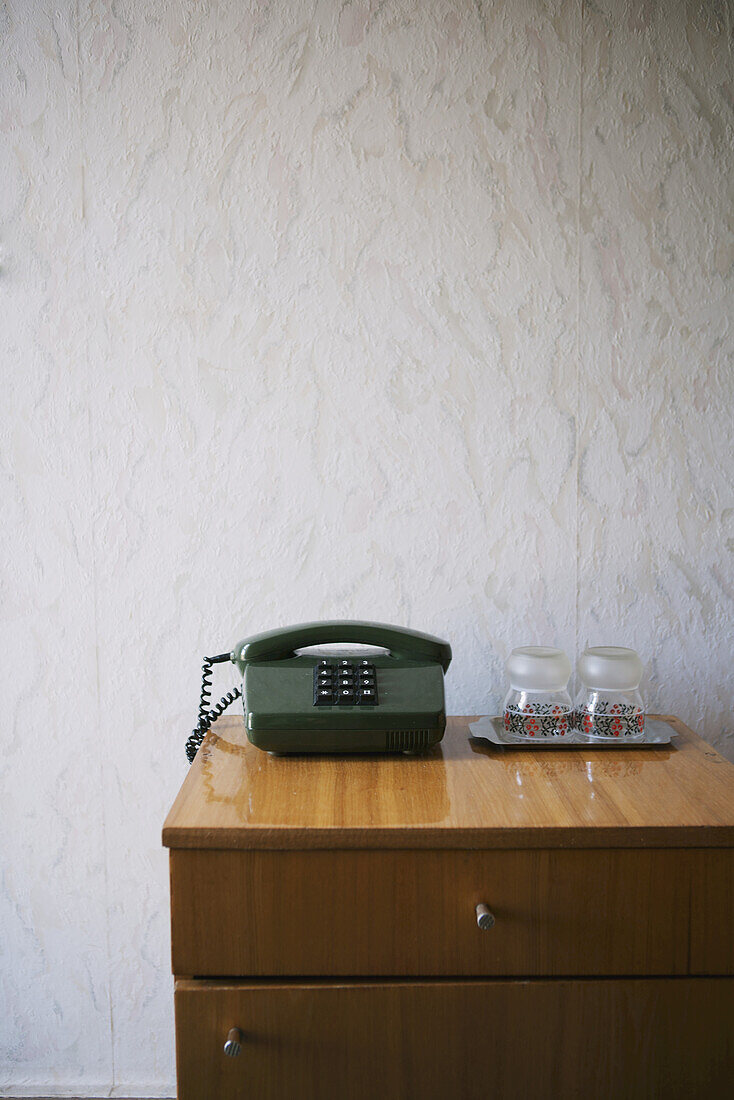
<point x="343" y="684"/>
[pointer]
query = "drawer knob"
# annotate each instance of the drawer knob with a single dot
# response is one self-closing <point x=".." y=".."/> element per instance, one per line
<point x="485" y="918"/>
<point x="233" y="1045"/>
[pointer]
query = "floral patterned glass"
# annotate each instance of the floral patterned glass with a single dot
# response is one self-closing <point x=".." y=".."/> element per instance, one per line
<point x="538" y="705"/>
<point x="609" y="705"/>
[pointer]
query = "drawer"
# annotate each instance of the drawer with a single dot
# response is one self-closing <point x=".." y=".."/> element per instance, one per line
<point x="412" y="913"/>
<point x="631" y="1038"/>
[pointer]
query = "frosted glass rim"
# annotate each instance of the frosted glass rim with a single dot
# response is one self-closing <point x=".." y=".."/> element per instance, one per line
<point x="610" y="668"/>
<point x="538" y="668"/>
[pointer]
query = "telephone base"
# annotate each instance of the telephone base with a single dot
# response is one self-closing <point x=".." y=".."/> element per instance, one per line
<point x="289" y="742"/>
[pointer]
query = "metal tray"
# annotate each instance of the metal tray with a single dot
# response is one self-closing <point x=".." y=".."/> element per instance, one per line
<point x="492" y="729"/>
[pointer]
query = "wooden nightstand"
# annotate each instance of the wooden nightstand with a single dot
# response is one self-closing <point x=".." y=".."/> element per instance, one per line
<point x="327" y="909"/>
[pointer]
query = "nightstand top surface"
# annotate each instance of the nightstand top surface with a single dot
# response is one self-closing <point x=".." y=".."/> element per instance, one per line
<point x="465" y="793"/>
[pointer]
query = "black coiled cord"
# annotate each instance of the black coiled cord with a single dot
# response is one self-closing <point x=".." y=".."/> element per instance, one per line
<point x="207" y="715"/>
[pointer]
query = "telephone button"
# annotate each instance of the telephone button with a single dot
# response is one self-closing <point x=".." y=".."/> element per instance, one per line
<point x="324" y="698"/>
<point x="367" y="698"/>
<point x="345" y="697"/>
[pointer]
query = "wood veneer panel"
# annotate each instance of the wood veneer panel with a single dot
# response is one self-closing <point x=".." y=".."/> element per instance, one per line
<point x="635" y="1039"/>
<point x="712" y="913"/>
<point x="620" y="911"/>
<point x="464" y="793"/>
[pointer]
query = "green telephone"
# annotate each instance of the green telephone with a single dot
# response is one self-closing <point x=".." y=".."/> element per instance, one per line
<point x="340" y="701"/>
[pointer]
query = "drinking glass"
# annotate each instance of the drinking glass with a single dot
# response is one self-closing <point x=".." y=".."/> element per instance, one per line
<point x="537" y="706"/>
<point x="609" y="705"/>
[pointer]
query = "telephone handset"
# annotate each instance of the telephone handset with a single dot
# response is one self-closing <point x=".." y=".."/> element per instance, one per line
<point x="305" y="689"/>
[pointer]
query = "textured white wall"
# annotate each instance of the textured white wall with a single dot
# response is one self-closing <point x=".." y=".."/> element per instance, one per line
<point x="407" y="311"/>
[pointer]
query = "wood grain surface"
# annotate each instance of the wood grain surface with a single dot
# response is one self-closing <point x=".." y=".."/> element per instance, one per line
<point x="655" y="1039"/>
<point x="660" y="911"/>
<point x="465" y="793"/>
